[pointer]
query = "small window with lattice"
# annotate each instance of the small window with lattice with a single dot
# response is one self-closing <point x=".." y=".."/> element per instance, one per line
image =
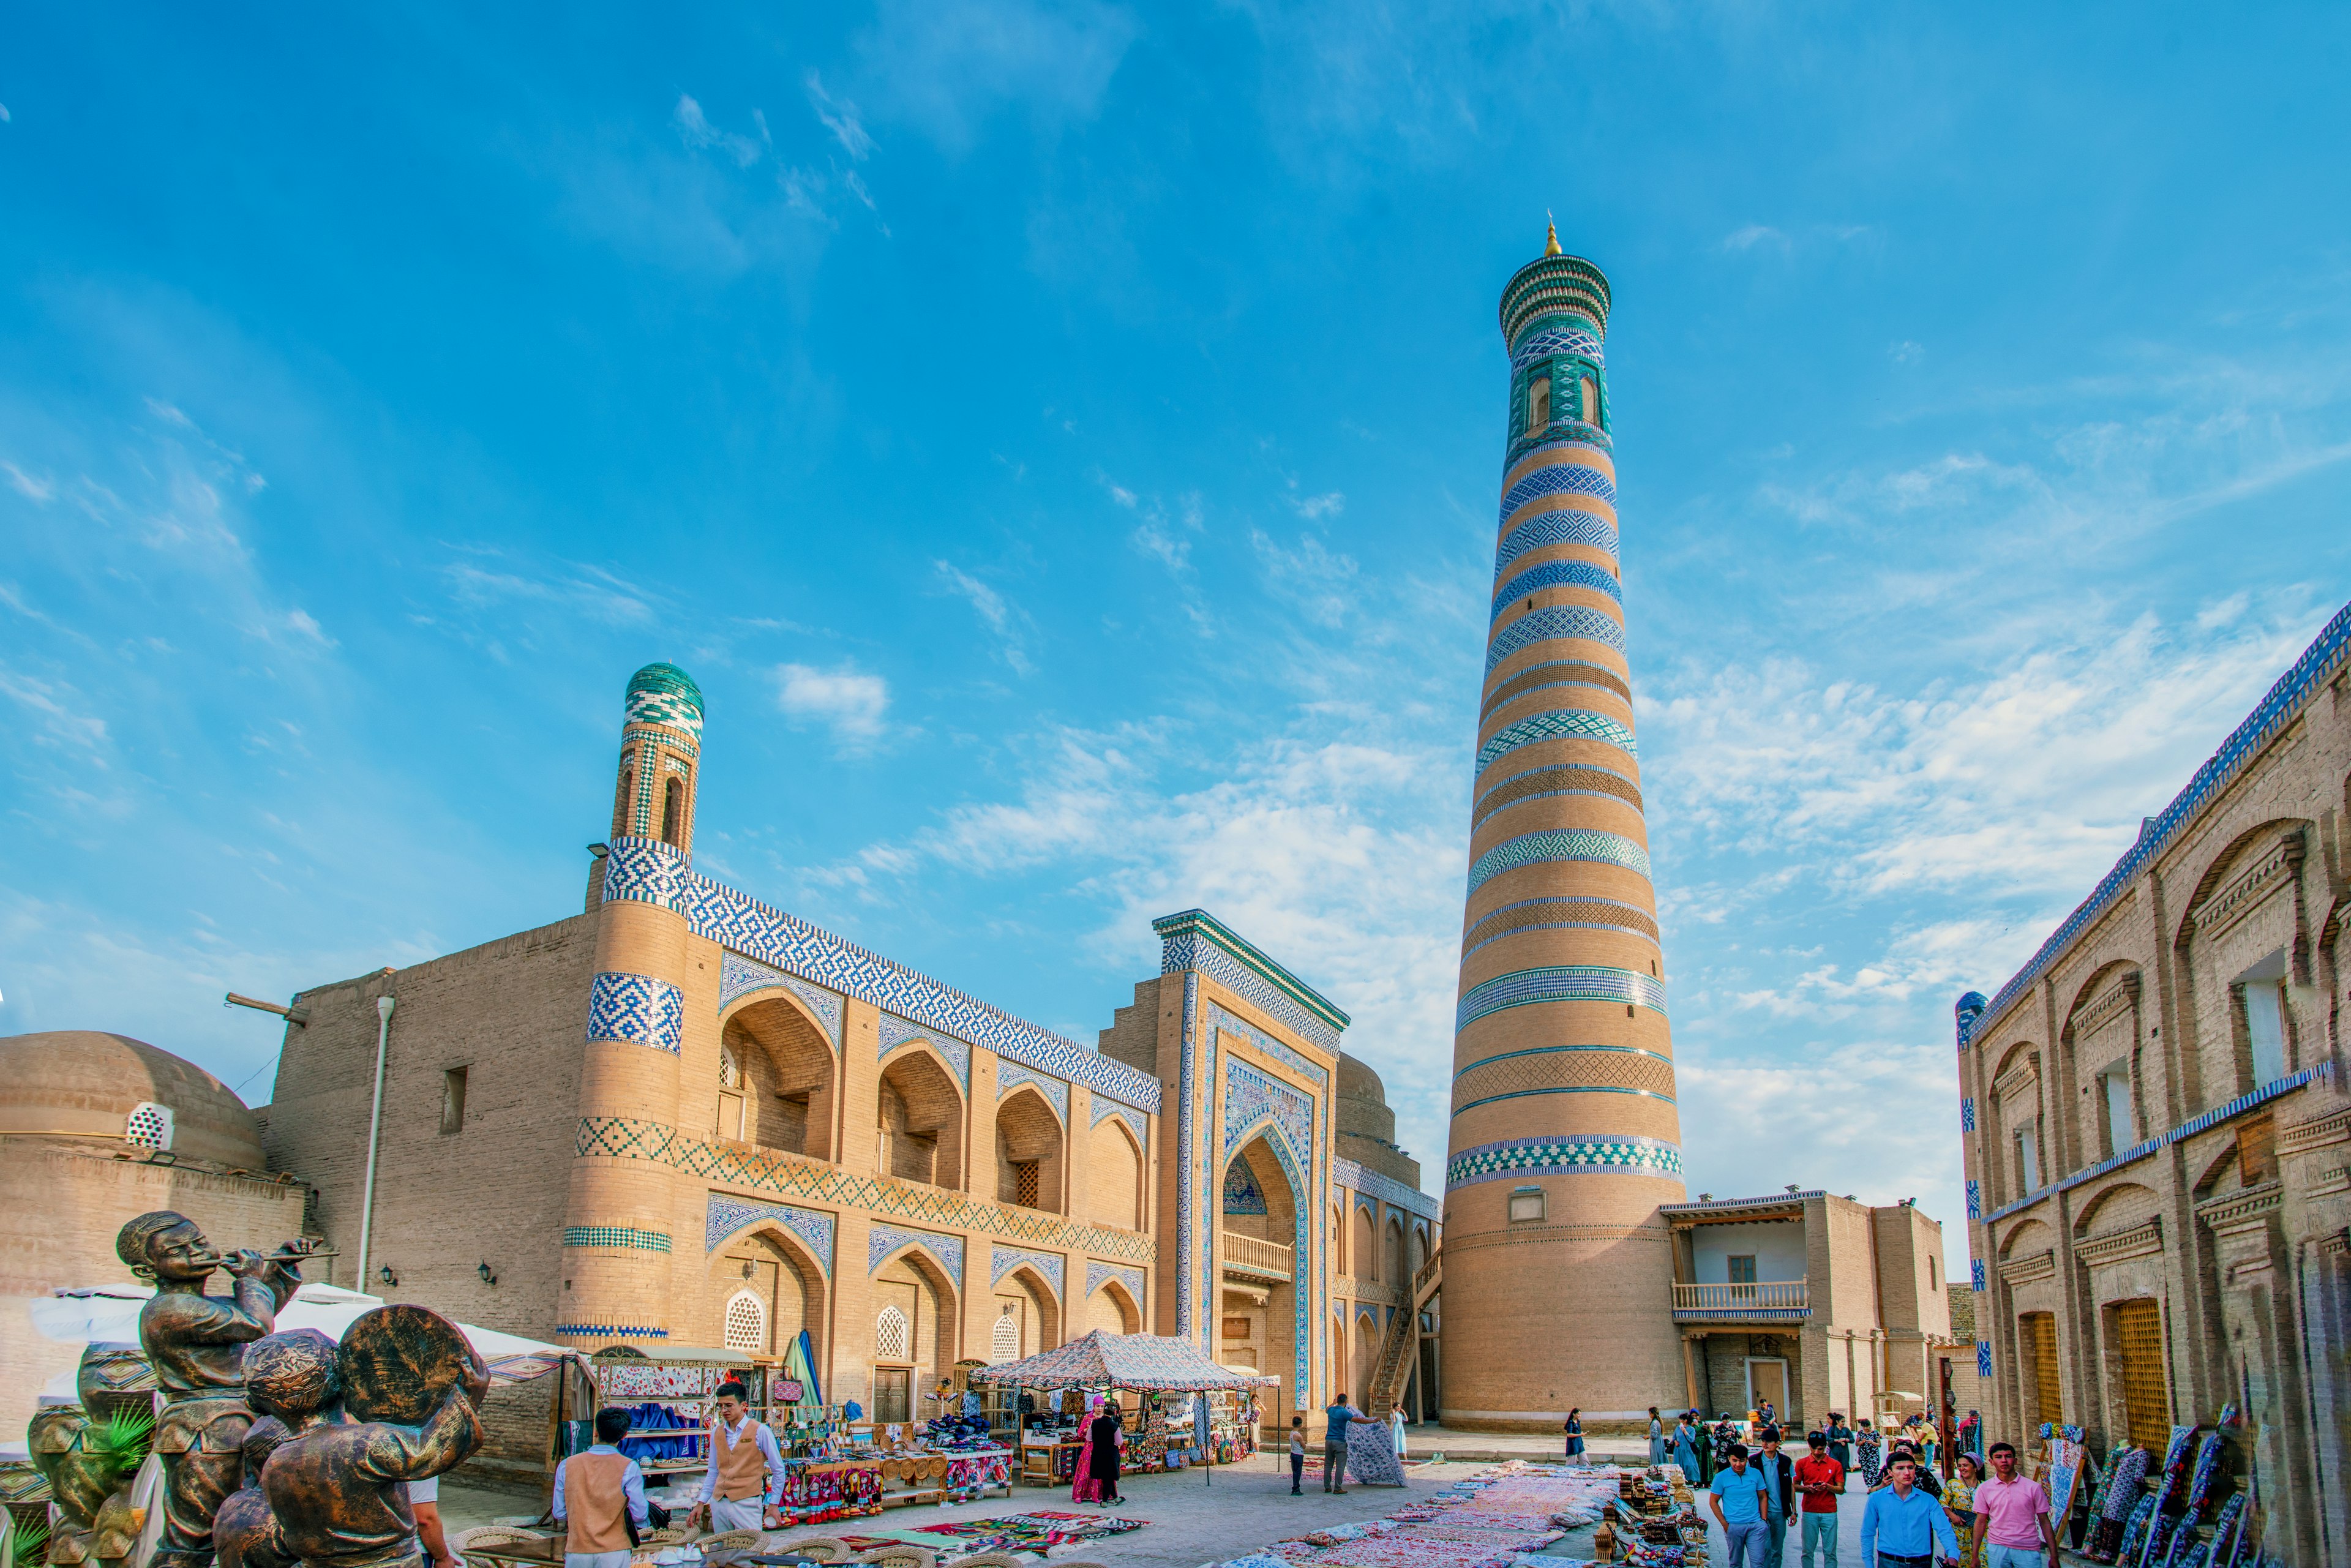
<point x="892" y="1334"/>
<point x="1024" y="1181"/>
<point x="150" y="1126"/>
<point x="1004" y="1339"/>
<point x="746" y="1323"/>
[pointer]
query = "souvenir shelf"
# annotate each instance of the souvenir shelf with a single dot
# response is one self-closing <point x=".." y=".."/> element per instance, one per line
<point x="674" y="1383"/>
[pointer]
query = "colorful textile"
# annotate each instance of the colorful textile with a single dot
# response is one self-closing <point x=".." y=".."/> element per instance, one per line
<point x="1371" y="1456"/>
<point x="1127" y="1361"/>
<point x="2126" y="1476"/>
<point x="2208" y="1469"/>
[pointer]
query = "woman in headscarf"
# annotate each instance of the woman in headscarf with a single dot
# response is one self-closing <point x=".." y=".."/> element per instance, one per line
<point x="1685" y="1450"/>
<point x="1867" y="1438"/>
<point x="1656" y="1437"/>
<point x="1840" y="1442"/>
<point x="1098" y="1462"/>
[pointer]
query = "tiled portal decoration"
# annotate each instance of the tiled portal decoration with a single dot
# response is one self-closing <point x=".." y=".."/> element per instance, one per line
<point x="1562" y="845"/>
<point x="1305" y="1200"/>
<point x="1557" y="574"/>
<point x="1195" y="949"/>
<point x="1561" y="983"/>
<point x="1003" y="1259"/>
<point x="896" y="1032"/>
<point x="615" y="1238"/>
<point x="1218" y="1019"/>
<point x="1558" y="479"/>
<point x="1561" y="724"/>
<point x="883" y="1240"/>
<point x="1242" y="1195"/>
<point x="1583" y="1154"/>
<point x="1569" y="526"/>
<point x="1555" y="621"/>
<point x="1191" y="1162"/>
<point x="1967" y="1115"/>
<point x="1983" y="1358"/>
<point x="2317" y="665"/>
<point x="1976" y="1274"/>
<point x="739" y="976"/>
<point x="1346" y="1173"/>
<point x="1975" y="1200"/>
<point x="638" y="1008"/>
<point x="730" y="1217"/>
<point x="1099" y="1273"/>
<point x="647" y="871"/>
<point x="1011" y="1075"/>
<point x="1365" y="1200"/>
<point x="1252" y="1099"/>
<point x="796" y="1176"/>
<point x="610" y="1331"/>
<point x="1126" y="1114"/>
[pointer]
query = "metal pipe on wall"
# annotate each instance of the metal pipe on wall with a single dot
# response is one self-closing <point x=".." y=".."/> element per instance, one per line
<point x="384" y="1005"/>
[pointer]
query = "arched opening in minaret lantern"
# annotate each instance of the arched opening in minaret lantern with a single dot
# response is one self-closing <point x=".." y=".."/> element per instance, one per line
<point x="674" y="813"/>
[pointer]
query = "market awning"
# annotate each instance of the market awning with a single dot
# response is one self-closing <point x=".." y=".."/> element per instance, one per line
<point x="1124" y="1361"/>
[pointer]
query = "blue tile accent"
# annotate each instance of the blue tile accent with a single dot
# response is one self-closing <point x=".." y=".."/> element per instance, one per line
<point x="1967" y="1115"/>
<point x="615" y="1238"/>
<point x="884" y="1240"/>
<point x="1252" y="1100"/>
<point x="648" y="870"/>
<point x="1554" y="622"/>
<point x="1983" y="1358"/>
<point x="1196" y="951"/>
<point x="1003" y="1259"/>
<point x="1560" y="983"/>
<point x="1242" y="1195"/>
<point x="1218" y="1019"/>
<point x="1346" y="1173"/>
<point x="1564" y="844"/>
<point x="1366" y="1200"/>
<point x="1556" y="574"/>
<point x="1975" y="1200"/>
<point x="894" y="1033"/>
<point x="610" y="1331"/>
<point x="1011" y="1075"/>
<point x="1549" y="341"/>
<point x="1559" y="724"/>
<point x="637" y="1009"/>
<point x="739" y="976"/>
<point x="1566" y="526"/>
<point x="727" y="1217"/>
<point x="1189" y="1162"/>
<point x="1588" y="1153"/>
<point x="1558" y="479"/>
<point x="1126" y="1114"/>
<point x="1099" y="1273"/>
<point x="1976" y="1273"/>
<point x="2284" y="700"/>
<point x="2321" y="1073"/>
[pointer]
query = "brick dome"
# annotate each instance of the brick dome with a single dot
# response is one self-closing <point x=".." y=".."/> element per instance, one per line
<point x="83" y="1083"/>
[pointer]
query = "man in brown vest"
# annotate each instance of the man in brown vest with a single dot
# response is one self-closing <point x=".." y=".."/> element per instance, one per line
<point x="597" y="1494"/>
<point x="746" y="1477"/>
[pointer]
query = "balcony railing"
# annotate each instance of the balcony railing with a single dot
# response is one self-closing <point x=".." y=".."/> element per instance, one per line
<point x="1256" y="1255"/>
<point x="1760" y="1299"/>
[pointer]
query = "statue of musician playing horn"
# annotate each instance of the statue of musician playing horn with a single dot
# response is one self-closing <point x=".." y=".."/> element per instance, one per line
<point x="196" y="1345"/>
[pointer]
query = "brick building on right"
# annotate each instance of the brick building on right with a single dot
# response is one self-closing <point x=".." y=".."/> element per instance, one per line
<point x="2157" y="1128"/>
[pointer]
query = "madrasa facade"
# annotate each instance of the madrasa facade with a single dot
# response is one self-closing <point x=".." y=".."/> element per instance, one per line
<point x="683" y="1115"/>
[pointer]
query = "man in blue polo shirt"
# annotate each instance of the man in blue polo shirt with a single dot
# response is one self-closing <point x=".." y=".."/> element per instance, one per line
<point x="1902" y="1526"/>
<point x="1742" y="1505"/>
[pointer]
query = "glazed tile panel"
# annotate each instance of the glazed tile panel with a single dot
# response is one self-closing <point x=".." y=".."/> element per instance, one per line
<point x="1562" y="526"/>
<point x="637" y="1009"/>
<point x="1565" y="844"/>
<point x="1561" y="724"/>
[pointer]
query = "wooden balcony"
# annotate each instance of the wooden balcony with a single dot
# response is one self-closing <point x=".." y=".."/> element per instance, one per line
<point x="1768" y="1301"/>
<point x="1254" y="1258"/>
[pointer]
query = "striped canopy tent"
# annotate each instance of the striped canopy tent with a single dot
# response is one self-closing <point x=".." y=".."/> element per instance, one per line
<point x="1121" y="1361"/>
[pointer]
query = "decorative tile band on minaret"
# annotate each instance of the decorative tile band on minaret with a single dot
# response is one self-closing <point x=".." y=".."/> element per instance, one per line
<point x="1565" y="1134"/>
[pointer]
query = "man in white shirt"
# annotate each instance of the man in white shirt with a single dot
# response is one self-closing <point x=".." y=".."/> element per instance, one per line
<point x="425" y="1502"/>
<point x="734" y="1495"/>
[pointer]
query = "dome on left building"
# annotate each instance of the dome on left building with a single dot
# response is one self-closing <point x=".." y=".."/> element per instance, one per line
<point x="80" y="1082"/>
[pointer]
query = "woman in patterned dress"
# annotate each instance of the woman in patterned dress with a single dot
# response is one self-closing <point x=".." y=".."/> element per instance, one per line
<point x="1868" y="1437"/>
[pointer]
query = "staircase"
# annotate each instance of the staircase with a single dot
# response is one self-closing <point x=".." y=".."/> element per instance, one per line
<point x="1399" y="1347"/>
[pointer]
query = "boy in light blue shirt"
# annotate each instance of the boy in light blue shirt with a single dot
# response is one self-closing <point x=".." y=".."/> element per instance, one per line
<point x="1743" y="1503"/>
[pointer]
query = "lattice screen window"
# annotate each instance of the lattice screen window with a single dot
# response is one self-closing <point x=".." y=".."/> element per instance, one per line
<point x="150" y="1126"/>
<point x="1004" y="1339"/>
<point x="892" y="1334"/>
<point x="2146" y="1393"/>
<point x="746" y="1323"/>
<point x="730" y="1070"/>
<point x="1024" y="1176"/>
<point x="2039" y="1332"/>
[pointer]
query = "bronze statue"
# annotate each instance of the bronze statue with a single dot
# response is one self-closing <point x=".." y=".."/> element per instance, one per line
<point x="394" y="1403"/>
<point x="245" y="1532"/>
<point x="197" y="1345"/>
<point x="55" y="1436"/>
<point x="91" y="1453"/>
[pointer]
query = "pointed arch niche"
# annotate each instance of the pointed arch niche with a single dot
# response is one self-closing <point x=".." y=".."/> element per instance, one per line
<point x="776" y="1079"/>
<point x="1264" y="1250"/>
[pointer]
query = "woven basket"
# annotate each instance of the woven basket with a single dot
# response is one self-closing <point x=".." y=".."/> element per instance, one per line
<point x="899" y="1555"/>
<point x="993" y="1560"/>
<point x="489" y="1537"/>
<point x="823" y="1548"/>
<point x="731" y="1541"/>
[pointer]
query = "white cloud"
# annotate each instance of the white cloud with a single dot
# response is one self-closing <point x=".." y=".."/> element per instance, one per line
<point x="848" y="701"/>
<point x="1903" y="352"/>
<point x="1008" y="621"/>
<point x="26" y="485"/>
<point x="1314" y="507"/>
<point x="840" y="118"/>
<point x="299" y="621"/>
<point x="696" y="128"/>
<point x="948" y="65"/>
<point x="1753" y="234"/>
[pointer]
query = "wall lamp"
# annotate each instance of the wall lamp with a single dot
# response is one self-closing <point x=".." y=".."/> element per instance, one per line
<point x="487" y="1278"/>
<point x="387" y="1276"/>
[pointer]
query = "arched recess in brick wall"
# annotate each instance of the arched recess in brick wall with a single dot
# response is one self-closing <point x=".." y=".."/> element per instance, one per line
<point x="1365" y="1360"/>
<point x="1364" y="1257"/>
<point x="1111" y="1309"/>
<point x="2118" y="1208"/>
<point x="788" y="1077"/>
<point x="776" y="1267"/>
<point x="1044" y="1307"/>
<point x="1393" y="1270"/>
<point x="919" y="1116"/>
<point x="1029" y="1151"/>
<point x="1419" y="1251"/>
<point x="1112" y="1176"/>
<point x="912" y="1281"/>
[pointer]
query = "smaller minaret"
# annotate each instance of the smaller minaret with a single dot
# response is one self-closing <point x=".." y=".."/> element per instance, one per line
<point x="661" y="744"/>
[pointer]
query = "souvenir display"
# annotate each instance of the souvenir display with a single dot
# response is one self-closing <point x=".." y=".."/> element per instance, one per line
<point x="2173" y="1476"/>
<point x="2125" y="1483"/>
<point x="2224" y="1530"/>
<point x="2135" y="1528"/>
<point x="2205" y="1473"/>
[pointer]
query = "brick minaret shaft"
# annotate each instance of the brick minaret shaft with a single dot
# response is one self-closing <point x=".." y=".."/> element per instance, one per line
<point x="1565" y="1140"/>
<point x="635" y="1027"/>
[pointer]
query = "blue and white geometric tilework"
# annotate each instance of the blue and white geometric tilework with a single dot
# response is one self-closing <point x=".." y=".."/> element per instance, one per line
<point x="1553" y="622"/>
<point x="1559" y="724"/>
<point x="1346" y="1173"/>
<point x="1556" y="574"/>
<point x="1561" y="844"/>
<point x="1567" y="527"/>
<point x="1976" y="1273"/>
<point x="896" y="1032"/>
<point x="637" y="1009"/>
<point x="1003" y="1259"/>
<point x="1552" y="340"/>
<point x="1558" y="479"/>
<point x="1189" y="1159"/>
<point x="1104" y="1106"/>
<point x="739" y="976"/>
<point x="1975" y="1200"/>
<point x="1584" y="1153"/>
<point x="1560" y="983"/>
<point x="1242" y="1194"/>
<point x="1983" y="1358"/>
<point x="1098" y="1274"/>
<point x="647" y="871"/>
<point x="730" y="1217"/>
<point x="1967" y="1115"/>
<point x="1220" y="1018"/>
<point x="1251" y="1098"/>
<point x="1011" y="1075"/>
<point x="1193" y="949"/>
<point x="883" y="1240"/>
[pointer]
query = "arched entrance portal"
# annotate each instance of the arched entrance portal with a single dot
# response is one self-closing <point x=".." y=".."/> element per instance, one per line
<point x="1258" y="1302"/>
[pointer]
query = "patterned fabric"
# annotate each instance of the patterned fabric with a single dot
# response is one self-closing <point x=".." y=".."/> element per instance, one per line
<point x="2208" y="1468"/>
<point x="2126" y="1478"/>
<point x="1124" y="1361"/>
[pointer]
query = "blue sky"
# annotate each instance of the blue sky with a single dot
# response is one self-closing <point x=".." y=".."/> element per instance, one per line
<point x="1062" y="439"/>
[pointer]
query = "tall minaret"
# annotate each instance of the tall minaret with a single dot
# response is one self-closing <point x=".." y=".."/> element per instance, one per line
<point x="1558" y="1269"/>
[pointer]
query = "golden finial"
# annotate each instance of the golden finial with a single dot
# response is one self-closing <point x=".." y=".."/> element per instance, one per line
<point x="1551" y="235"/>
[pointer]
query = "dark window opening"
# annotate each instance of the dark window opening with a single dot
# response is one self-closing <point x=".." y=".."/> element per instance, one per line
<point x="1537" y="403"/>
<point x="674" y="814"/>
<point x="453" y="1099"/>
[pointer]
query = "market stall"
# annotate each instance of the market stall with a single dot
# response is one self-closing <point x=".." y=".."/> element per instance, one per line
<point x="1156" y="1384"/>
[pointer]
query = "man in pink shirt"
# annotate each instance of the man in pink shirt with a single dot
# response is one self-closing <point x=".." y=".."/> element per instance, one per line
<point x="2012" y="1525"/>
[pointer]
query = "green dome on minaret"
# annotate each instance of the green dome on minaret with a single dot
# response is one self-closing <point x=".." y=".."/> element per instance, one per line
<point x="664" y="693"/>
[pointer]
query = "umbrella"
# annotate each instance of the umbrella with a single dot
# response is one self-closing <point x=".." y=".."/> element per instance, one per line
<point x="1123" y="1359"/>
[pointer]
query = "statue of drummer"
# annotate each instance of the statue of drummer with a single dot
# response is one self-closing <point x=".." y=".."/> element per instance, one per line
<point x="196" y="1343"/>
